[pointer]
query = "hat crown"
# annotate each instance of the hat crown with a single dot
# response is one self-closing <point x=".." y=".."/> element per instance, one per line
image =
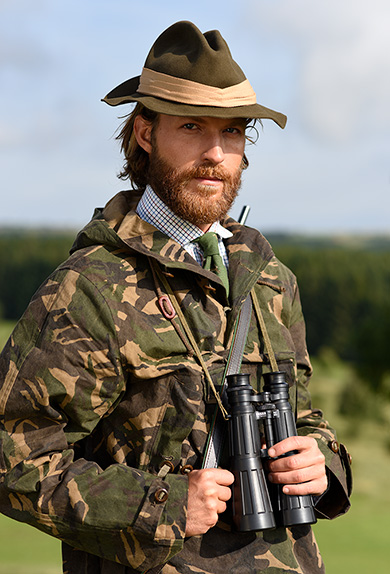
<point x="184" y="52"/>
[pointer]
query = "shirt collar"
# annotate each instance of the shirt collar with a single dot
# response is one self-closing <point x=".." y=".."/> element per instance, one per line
<point x="153" y="210"/>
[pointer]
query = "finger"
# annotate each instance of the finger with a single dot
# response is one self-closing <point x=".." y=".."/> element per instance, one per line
<point x="224" y="493"/>
<point x="214" y="506"/>
<point x="221" y="507"/>
<point x="223" y="477"/>
<point x="215" y="476"/>
<point x="291" y="443"/>
<point x="314" y="487"/>
<point x="297" y="461"/>
<point x="306" y="474"/>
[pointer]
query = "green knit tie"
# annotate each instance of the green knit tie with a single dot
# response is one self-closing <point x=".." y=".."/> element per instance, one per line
<point x="212" y="260"/>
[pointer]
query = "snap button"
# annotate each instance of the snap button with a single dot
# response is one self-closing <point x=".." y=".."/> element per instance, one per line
<point x="334" y="445"/>
<point x="167" y="463"/>
<point x="186" y="469"/>
<point x="161" y="495"/>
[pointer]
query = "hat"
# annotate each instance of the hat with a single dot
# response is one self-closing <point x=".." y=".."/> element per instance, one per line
<point x="187" y="73"/>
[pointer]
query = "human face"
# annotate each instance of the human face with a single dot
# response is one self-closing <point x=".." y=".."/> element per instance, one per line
<point x="195" y="165"/>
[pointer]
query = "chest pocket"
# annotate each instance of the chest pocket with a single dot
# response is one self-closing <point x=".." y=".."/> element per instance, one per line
<point x="185" y="402"/>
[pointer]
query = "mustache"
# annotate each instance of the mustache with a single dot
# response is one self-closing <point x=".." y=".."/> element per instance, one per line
<point x="208" y="171"/>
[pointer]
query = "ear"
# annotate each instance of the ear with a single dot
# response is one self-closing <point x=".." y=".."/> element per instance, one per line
<point x="143" y="133"/>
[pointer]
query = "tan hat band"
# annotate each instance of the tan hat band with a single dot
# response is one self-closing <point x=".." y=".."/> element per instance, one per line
<point x="187" y="92"/>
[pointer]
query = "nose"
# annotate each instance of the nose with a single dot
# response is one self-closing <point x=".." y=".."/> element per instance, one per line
<point x="213" y="152"/>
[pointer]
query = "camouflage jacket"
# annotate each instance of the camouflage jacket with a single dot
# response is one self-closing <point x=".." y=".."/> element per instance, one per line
<point x="98" y="389"/>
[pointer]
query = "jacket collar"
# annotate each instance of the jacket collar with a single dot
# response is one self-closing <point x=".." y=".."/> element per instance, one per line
<point x="118" y="226"/>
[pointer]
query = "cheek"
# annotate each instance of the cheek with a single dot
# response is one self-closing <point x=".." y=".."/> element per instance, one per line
<point x="234" y="154"/>
<point x="234" y="161"/>
<point x="179" y="157"/>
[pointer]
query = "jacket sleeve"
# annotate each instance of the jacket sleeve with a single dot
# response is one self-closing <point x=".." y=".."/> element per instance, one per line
<point x="60" y="374"/>
<point x="335" y="501"/>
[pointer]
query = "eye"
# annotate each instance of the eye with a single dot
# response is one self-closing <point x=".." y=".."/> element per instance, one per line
<point x="189" y="126"/>
<point x="233" y="130"/>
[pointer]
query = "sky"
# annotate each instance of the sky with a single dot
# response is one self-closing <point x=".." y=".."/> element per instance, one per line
<point x="326" y="65"/>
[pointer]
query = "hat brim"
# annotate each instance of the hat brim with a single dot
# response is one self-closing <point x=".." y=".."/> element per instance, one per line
<point x="126" y="93"/>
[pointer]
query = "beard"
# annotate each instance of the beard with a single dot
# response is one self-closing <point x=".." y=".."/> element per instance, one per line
<point x="197" y="207"/>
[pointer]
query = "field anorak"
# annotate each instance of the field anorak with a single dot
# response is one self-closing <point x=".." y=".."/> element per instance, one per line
<point x="98" y="389"/>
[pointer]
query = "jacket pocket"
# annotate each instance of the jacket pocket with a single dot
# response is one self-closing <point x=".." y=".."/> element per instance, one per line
<point x="182" y="408"/>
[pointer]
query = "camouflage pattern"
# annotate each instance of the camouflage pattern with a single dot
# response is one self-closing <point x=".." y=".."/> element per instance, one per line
<point x="97" y="391"/>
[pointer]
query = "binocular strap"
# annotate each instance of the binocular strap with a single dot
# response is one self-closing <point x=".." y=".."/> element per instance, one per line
<point x="217" y="431"/>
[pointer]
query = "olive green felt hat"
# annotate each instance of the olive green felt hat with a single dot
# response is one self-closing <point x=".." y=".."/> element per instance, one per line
<point x="188" y="73"/>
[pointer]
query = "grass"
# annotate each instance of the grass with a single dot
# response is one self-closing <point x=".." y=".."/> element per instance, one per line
<point x="5" y="331"/>
<point x="355" y="543"/>
<point x="25" y="550"/>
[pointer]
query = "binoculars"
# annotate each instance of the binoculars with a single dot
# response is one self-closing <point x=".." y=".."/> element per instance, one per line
<point x="258" y="504"/>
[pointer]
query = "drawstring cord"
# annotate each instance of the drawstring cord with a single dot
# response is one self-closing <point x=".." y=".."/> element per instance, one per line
<point x="167" y="309"/>
<point x="174" y="302"/>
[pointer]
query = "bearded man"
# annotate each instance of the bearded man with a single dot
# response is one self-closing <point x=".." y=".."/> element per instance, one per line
<point x="111" y="379"/>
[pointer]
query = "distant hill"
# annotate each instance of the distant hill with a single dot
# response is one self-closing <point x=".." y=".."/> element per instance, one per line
<point x="363" y="242"/>
<point x="355" y="241"/>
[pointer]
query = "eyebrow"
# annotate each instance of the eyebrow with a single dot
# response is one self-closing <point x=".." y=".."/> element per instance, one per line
<point x="203" y="119"/>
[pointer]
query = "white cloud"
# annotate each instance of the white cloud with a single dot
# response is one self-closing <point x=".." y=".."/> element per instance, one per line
<point x="344" y="66"/>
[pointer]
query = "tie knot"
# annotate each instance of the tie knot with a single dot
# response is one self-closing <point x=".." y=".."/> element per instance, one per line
<point x="212" y="260"/>
<point x="209" y="244"/>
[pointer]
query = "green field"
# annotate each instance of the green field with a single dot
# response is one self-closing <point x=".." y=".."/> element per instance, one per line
<point x="25" y="550"/>
<point x="356" y="543"/>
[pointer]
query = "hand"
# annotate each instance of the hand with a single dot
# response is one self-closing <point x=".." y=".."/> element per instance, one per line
<point x="301" y="473"/>
<point x="208" y="492"/>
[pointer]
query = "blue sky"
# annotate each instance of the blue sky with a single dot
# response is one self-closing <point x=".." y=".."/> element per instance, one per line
<point x="326" y="65"/>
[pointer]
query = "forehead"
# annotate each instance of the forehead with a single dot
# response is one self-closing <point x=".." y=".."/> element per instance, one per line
<point x="206" y="121"/>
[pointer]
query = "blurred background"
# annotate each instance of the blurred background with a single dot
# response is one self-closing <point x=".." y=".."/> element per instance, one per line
<point x="319" y="190"/>
<point x="324" y="64"/>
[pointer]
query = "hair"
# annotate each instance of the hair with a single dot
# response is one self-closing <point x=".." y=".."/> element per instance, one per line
<point x="135" y="167"/>
<point x="136" y="163"/>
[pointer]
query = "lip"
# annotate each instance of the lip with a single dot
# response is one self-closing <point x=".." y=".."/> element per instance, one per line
<point x="208" y="180"/>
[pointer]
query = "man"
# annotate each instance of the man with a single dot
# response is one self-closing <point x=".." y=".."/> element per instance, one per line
<point x="111" y="378"/>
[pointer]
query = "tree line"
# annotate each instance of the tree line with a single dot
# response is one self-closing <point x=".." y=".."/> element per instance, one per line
<point x="345" y="293"/>
<point x="26" y="259"/>
<point x="344" y="287"/>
